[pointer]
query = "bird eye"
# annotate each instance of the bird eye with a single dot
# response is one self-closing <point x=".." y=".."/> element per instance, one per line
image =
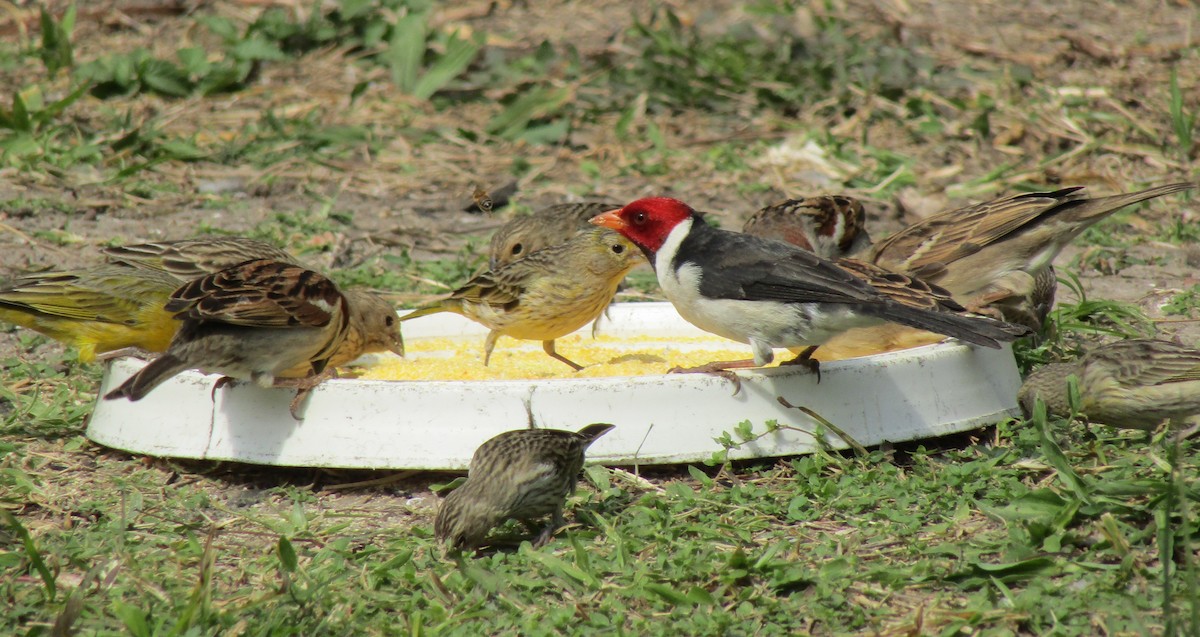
<point x="517" y="248"/>
<point x="618" y="249"/>
<point x="390" y="321"/>
<point x="639" y="218"/>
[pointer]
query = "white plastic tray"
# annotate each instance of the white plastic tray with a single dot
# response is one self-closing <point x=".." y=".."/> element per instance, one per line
<point x="911" y="394"/>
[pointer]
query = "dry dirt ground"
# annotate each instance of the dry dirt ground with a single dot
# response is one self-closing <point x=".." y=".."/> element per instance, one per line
<point x="409" y="194"/>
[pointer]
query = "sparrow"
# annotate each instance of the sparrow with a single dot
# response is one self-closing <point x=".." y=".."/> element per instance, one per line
<point x="773" y="294"/>
<point x="830" y="226"/>
<point x="993" y="257"/>
<point x="252" y="321"/>
<point x="106" y="308"/>
<point x="374" y="325"/>
<point x="524" y="475"/>
<point x="109" y="309"/>
<point x="1136" y="383"/>
<point x="546" y="227"/>
<point x="546" y="295"/>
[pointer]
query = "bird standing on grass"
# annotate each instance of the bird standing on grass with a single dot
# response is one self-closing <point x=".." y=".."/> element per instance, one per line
<point x="549" y="226"/>
<point x="1136" y="383"/>
<point x="773" y="294"/>
<point x="829" y="226"/>
<point x="252" y="321"/>
<point x="524" y="475"/>
<point x="547" y="295"/>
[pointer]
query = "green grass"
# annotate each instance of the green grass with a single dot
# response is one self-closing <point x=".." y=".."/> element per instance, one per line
<point x="1041" y="527"/>
<point x="1029" y="527"/>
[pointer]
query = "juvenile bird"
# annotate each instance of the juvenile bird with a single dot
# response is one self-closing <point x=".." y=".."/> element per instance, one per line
<point x="250" y="322"/>
<point x="773" y="294"/>
<point x="524" y="475"/>
<point x="1136" y="383"/>
<point x="109" y="307"/>
<point x="549" y="226"/>
<point x="994" y="257"/>
<point x="830" y="226"/>
<point x="548" y="294"/>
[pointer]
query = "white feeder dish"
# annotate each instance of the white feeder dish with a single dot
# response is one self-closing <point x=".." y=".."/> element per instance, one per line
<point x="670" y="418"/>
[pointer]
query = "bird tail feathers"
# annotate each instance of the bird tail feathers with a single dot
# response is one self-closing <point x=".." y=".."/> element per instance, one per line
<point x="137" y="386"/>
<point x="972" y="329"/>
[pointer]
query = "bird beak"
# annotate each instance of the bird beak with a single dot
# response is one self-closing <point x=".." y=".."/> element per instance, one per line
<point x="397" y="347"/>
<point x="610" y="219"/>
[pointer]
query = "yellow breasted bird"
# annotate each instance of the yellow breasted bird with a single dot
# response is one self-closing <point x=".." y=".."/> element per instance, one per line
<point x="546" y="295"/>
<point x="117" y="306"/>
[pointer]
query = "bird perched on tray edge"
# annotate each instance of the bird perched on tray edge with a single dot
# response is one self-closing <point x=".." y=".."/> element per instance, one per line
<point x="995" y="257"/>
<point x="772" y="294"/>
<point x="117" y="306"/>
<point x="252" y="321"/>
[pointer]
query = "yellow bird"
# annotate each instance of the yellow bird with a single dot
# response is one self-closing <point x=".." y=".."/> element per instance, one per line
<point x="119" y="305"/>
<point x="546" y="295"/>
<point x="110" y="307"/>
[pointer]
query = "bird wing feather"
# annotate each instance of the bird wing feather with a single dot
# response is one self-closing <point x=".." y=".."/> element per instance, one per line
<point x="260" y="293"/>
<point x="926" y="247"/>
<point x="1145" y="362"/>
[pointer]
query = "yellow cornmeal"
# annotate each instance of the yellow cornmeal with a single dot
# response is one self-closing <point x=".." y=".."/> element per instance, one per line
<point x="462" y="358"/>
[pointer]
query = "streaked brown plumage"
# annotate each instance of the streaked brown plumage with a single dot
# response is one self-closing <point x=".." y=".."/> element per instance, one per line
<point x="252" y="321"/>
<point x="524" y="475"/>
<point x="118" y="305"/>
<point x="374" y="326"/>
<point x="830" y="226"/>
<point x="1136" y="383"/>
<point x="992" y="256"/>
<point x="549" y="226"/>
<point x="189" y="259"/>
<point x="548" y="294"/>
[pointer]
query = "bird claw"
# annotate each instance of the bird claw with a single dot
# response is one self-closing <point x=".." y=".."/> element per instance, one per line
<point x="713" y="369"/>
<point x="297" y="406"/>
<point x="221" y="382"/>
<point x="813" y="365"/>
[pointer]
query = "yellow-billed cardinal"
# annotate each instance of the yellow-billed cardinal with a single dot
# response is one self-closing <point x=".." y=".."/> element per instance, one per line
<point x="772" y="294"/>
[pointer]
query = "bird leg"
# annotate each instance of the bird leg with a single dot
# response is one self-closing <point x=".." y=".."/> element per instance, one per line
<point x="556" y="521"/>
<point x="805" y="358"/>
<point x="221" y="382"/>
<point x="488" y="345"/>
<point x="719" y="368"/>
<point x="303" y="387"/>
<point x="548" y="346"/>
